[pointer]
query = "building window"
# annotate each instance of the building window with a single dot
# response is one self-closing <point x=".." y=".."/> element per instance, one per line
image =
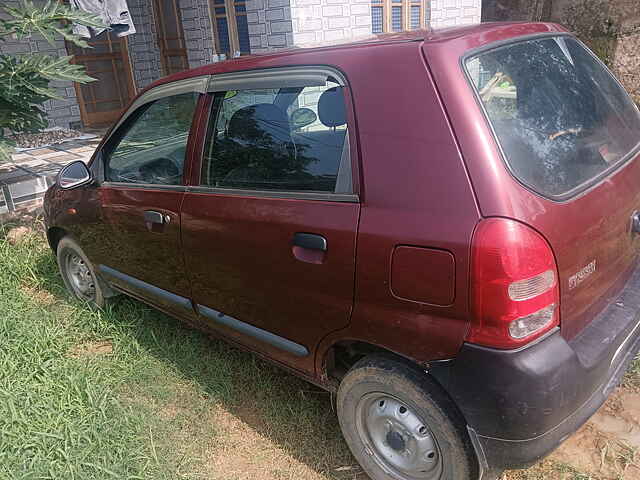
<point x="415" y="16"/>
<point x="243" y="26"/>
<point x="230" y="27"/>
<point x="377" y="16"/>
<point x="398" y="15"/>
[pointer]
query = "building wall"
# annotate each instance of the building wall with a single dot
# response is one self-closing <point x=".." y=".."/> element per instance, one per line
<point x="60" y="112"/>
<point x="198" y="32"/>
<point x="325" y="21"/>
<point x="449" y="13"/>
<point x="270" y="25"/>
<point x="144" y="52"/>
<point x="611" y="28"/>
<point x="518" y="10"/>
<point x="626" y="63"/>
<point x="275" y="24"/>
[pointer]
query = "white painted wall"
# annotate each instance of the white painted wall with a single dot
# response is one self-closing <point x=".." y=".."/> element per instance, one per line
<point x="449" y="13"/>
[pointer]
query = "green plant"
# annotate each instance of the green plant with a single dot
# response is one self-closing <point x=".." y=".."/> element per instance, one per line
<point x="25" y="79"/>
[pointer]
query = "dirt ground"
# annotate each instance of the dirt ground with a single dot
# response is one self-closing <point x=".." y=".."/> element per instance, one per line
<point x="608" y="444"/>
<point x="604" y="449"/>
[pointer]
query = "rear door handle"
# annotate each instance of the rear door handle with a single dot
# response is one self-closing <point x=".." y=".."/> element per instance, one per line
<point x="151" y="216"/>
<point x="635" y="222"/>
<point x="310" y="241"/>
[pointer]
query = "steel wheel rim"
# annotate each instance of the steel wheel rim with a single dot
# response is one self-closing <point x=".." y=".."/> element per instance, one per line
<point x="397" y="439"/>
<point x="80" y="277"/>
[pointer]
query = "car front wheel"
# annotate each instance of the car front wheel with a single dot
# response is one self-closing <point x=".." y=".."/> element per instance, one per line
<point x="400" y="425"/>
<point x="78" y="273"/>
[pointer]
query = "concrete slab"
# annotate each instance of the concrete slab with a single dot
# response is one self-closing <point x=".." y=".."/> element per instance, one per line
<point x="24" y="181"/>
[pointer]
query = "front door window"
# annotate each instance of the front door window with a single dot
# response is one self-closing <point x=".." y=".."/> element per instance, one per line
<point x="153" y="148"/>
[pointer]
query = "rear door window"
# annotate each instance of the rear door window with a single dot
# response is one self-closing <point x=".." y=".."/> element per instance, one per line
<point x="560" y="117"/>
<point x="292" y="139"/>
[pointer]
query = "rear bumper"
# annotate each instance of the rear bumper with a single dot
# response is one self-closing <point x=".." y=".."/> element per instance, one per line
<point x="506" y="453"/>
<point x="521" y="404"/>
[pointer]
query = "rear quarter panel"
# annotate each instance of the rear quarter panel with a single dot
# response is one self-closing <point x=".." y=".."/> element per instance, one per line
<point x="415" y="192"/>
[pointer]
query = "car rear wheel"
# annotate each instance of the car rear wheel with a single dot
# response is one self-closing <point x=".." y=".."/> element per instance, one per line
<point x="400" y="425"/>
<point x="78" y="273"/>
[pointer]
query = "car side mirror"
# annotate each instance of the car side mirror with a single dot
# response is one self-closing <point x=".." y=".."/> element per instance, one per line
<point x="74" y="175"/>
<point x="302" y="117"/>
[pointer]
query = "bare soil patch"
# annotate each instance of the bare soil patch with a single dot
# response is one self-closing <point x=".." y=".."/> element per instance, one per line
<point x="244" y="452"/>
<point x="18" y="234"/>
<point x="41" y="296"/>
<point x="605" y="448"/>
<point x="90" y="349"/>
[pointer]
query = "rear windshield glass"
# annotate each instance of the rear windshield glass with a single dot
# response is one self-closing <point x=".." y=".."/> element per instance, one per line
<point x="560" y="117"/>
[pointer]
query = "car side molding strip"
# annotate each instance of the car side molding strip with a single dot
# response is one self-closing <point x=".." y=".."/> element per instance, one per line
<point x="255" y="332"/>
<point x="152" y="290"/>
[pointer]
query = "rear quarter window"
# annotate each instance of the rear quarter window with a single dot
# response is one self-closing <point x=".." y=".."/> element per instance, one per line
<point x="561" y="119"/>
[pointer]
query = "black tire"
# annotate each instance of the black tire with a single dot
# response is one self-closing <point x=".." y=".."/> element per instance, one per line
<point x="425" y="400"/>
<point x="66" y="252"/>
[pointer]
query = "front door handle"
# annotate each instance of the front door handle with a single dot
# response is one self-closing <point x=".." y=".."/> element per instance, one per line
<point x="155" y="221"/>
<point x="310" y="241"/>
<point x="151" y="216"/>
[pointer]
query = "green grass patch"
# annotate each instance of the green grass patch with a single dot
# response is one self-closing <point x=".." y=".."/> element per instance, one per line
<point x="129" y="393"/>
<point x="632" y="376"/>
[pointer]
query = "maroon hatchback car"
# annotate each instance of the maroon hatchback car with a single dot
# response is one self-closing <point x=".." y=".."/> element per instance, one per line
<point x="441" y="227"/>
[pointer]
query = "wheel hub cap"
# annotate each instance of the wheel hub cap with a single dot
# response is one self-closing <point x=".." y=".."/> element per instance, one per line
<point x="397" y="439"/>
<point x="80" y="277"/>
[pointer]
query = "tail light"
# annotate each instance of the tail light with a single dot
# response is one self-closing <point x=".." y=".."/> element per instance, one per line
<point x="514" y="288"/>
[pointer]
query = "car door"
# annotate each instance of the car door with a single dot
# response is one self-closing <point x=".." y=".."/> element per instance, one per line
<point x="269" y="229"/>
<point x="143" y="187"/>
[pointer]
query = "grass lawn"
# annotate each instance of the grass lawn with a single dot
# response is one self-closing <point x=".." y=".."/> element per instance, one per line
<point x="129" y="393"/>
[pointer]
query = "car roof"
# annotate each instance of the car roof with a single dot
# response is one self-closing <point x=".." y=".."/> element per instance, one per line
<point x="476" y="35"/>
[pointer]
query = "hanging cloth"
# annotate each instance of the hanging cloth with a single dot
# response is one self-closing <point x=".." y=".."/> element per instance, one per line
<point x="114" y="13"/>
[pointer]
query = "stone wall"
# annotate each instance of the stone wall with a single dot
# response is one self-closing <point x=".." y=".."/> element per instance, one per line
<point x="611" y="28"/>
<point x="517" y="10"/>
<point x="626" y="55"/>
<point x="318" y="22"/>
<point x="59" y="112"/>
<point x="626" y="63"/>
<point x="198" y="32"/>
<point x="144" y="52"/>
<point x="275" y="24"/>
<point x="449" y="13"/>
<point x="270" y="25"/>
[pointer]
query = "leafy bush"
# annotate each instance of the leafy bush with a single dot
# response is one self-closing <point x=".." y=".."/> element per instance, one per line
<point x="24" y="79"/>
